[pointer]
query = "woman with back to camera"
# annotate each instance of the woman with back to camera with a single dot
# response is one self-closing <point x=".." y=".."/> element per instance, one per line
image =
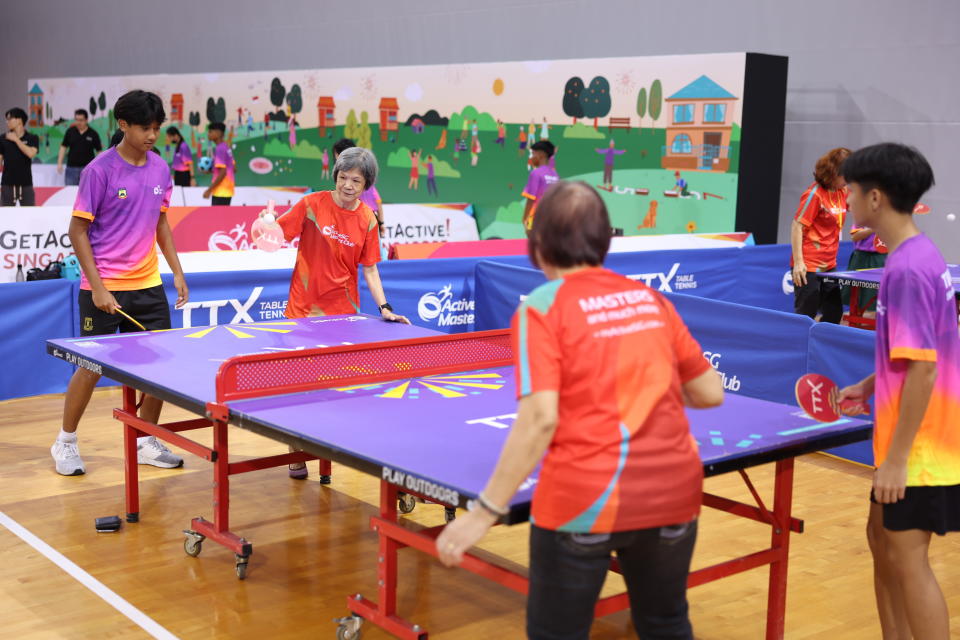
<point x="603" y="395"/>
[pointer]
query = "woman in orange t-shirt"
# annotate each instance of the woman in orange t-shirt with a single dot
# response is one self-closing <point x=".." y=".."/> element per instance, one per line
<point x="338" y="233"/>
<point x="815" y="239"/>
<point x="604" y="368"/>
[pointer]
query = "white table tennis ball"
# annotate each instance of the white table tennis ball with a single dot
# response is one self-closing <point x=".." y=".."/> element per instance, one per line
<point x="269" y="218"/>
<point x="951" y="217"/>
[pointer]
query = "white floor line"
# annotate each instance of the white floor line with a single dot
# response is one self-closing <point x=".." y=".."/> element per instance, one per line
<point x="136" y="616"/>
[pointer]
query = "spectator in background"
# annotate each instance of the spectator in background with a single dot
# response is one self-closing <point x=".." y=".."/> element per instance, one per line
<point x="221" y="188"/>
<point x="182" y="159"/>
<point x="543" y="175"/>
<point x="869" y="252"/>
<point x="815" y="238"/>
<point x="17" y="150"/>
<point x="84" y="145"/>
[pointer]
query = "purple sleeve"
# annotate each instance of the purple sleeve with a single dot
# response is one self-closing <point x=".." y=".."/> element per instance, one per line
<point x="167" y="193"/>
<point x="911" y="309"/>
<point x="619" y="152"/>
<point x="220" y="156"/>
<point x="89" y="193"/>
<point x="534" y="186"/>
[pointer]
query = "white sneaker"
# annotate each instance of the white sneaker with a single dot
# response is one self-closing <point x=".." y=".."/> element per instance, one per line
<point x="152" y="451"/>
<point x="66" y="455"/>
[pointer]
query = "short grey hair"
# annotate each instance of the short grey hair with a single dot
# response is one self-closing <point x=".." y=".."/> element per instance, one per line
<point x="358" y="158"/>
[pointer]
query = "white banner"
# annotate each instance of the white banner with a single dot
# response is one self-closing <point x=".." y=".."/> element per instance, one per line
<point x="408" y="223"/>
<point x="32" y="237"/>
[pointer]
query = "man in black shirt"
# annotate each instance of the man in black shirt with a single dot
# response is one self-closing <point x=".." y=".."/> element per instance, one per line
<point x="84" y="144"/>
<point x="17" y="148"/>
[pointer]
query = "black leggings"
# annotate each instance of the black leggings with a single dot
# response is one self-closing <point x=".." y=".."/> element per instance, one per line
<point x="567" y="571"/>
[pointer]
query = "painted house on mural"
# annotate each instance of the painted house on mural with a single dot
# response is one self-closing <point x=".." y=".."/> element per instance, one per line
<point x="176" y="107"/>
<point x="388" y="116"/>
<point x="36" y="106"/>
<point x="325" y="110"/>
<point x="698" y="136"/>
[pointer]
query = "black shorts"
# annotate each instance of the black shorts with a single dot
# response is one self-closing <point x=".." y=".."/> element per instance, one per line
<point x="181" y="178"/>
<point x="147" y="306"/>
<point x="934" y="509"/>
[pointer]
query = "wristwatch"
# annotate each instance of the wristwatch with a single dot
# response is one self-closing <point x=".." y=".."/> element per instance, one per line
<point x="385" y="305"/>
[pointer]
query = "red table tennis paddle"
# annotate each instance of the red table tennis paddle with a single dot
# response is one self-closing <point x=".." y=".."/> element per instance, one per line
<point x="921" y="209"/>
<point x="818" y="396"/>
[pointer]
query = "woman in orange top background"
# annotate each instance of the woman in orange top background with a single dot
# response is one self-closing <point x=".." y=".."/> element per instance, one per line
<point x="815" y="238"/>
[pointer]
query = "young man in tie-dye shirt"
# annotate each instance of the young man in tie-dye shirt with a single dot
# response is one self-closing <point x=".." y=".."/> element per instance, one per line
<point x="916" y="440"/>
<point x="118" y="221"/>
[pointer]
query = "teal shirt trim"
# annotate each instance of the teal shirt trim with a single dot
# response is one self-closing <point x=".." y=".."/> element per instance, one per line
<point x="541" y="299"/>
<point x="584" y="522"/>
<point x="806" y="204"/>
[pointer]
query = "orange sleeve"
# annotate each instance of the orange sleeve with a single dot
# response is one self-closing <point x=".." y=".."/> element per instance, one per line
<point x="809" y="206"/>
<point x="536" y="352"/>
<point x="370" y="254"/>
<point x="292" y="221"/>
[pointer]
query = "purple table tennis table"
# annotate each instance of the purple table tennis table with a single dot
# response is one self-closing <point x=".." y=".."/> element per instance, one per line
<point x="428" y="416"/>
<point x="180" y="366"/>
<point x="870" y="279"/>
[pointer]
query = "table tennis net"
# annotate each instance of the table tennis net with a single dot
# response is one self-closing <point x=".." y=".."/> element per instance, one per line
<point x="287" y="372"/>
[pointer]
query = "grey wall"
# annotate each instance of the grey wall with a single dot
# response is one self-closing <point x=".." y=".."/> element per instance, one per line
<point x="861" y="71"/>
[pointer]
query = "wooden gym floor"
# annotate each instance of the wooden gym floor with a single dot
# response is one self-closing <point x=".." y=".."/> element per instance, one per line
<point x="313" y="547"/>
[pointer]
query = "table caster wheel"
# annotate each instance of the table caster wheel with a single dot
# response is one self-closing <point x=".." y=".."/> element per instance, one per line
<point x="349" y="627"/>
<point x="242" y="566"/>
<point x="325" y="480"/>
<point x="406" y="503"/>
<point x="193" y="544"/>
<point x="449" y="514"/>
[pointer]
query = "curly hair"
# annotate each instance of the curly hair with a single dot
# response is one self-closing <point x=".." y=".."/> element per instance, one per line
<point x="828" y="167"/>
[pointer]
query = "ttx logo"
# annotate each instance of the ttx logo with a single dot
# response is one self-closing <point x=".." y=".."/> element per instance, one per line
<point x="241" y="309"/>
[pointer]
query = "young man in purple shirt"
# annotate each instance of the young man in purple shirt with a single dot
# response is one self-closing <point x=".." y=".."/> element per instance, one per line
<point x="543" y="175"/>
<point x="916" y="388"/>
<point x="118" y="219"/>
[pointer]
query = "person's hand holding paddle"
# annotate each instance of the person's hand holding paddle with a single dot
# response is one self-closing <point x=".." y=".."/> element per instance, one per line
<point x="856" y="394"/>
<point x="820" y="399"/>
<point x="265" y="231"/>
<point x="104" y="300"/>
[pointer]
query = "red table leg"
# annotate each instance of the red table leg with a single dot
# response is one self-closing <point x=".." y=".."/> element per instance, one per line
<point x="384" y="613"/>
<point x="131" y="474"/>
<point x="780" y="543"/>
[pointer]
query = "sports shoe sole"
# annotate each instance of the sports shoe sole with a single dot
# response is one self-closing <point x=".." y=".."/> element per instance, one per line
<point x="157" y="463"/>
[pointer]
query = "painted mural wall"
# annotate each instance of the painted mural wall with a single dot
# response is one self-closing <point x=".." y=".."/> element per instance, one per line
<point x="669" y="125"/>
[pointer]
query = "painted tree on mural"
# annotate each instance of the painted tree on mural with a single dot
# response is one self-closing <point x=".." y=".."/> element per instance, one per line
<point x="350" y="129"/>
<point x="102" y="102"/>
<point x="656" y="100"/>
<point x="92" y="107"/>
<point x="364" y="133"/>
<point x="277" y="92"/>
<point x="595" y="99"/>
<point x="642" y="105"/>
<point x="571" y="98"/>
<point x="194" y="118"/>
<point x="294" y="99"/>
<point x="216" y="111"/>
